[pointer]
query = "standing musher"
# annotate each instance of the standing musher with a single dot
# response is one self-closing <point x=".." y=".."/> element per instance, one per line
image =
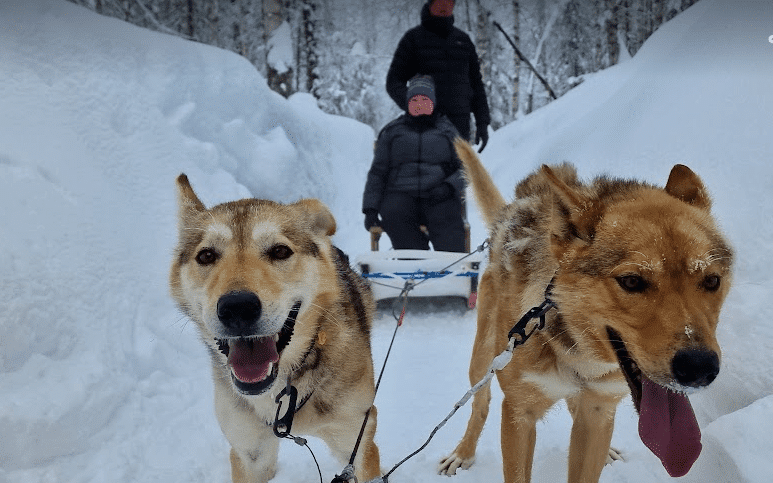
<point x="437" y="48"/>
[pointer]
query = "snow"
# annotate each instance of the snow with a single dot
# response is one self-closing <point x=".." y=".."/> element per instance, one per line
<point x="101" y="379"/>
<point x="280" y="51"/>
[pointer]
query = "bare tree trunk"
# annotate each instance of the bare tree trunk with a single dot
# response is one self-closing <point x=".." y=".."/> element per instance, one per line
<point x="273" y="16"/>
<point x="516" y="59"/>
<point x="624" y="21"/>
<point x="309" y="26"/>
<point x="190" y="19"/>
<point x="546" y="33"/>
<point x="482" y="44"/>
<point x="659" y="14"/>
<point x="613" y="46"/>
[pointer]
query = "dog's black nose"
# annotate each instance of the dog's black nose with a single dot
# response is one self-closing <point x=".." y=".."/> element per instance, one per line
<point x="238" y="310"/>
<point x="694" y="367"/>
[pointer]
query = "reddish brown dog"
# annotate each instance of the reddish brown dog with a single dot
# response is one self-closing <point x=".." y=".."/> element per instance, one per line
<point x="639" y="276"/>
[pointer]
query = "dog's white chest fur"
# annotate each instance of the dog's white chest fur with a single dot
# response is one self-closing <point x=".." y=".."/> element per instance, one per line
<point x="566" y="381"/>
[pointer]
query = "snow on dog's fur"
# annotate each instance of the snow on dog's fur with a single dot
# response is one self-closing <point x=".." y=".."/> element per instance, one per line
<point x="639" y="276"/>
<point x="273" y="299"/>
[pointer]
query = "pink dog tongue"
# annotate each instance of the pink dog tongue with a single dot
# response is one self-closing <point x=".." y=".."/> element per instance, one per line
<point x="250" y="360"/>
<point x="667" y="426"/>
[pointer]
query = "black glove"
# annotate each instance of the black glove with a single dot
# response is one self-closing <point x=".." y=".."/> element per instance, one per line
<point x="481" y="136"/>
<point x="371" y="219"/>
<point x="441" y="193"/>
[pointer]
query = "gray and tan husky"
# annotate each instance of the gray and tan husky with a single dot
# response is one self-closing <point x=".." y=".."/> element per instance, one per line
<point x="274" y="301"/>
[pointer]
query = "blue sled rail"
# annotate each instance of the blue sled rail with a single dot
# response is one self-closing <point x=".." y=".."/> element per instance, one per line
<point x="428" y="270"/>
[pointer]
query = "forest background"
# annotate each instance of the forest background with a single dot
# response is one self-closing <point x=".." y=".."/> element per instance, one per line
<point x="339" y="51"/>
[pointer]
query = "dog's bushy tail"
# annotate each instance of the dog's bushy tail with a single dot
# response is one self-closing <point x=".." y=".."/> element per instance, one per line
<point x="488" y="197"/>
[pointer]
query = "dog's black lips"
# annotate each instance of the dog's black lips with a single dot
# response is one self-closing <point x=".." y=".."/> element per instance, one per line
<point x="285" y="334"/>
<point x="633" y="374"/>
<point x="287" y="329"/>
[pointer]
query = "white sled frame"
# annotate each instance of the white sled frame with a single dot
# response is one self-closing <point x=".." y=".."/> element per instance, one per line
<point x="428" y="270"/>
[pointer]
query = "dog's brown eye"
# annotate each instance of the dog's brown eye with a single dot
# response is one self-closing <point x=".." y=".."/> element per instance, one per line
<point x="632" y="283"/>
<point x="711" y="283"/>
<point x="207" y="256"/>
<point x="280" y="252"/>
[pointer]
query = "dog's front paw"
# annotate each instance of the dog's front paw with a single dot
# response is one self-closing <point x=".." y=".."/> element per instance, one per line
<point x="450" y="464"/>
<point x="614" y="455"/>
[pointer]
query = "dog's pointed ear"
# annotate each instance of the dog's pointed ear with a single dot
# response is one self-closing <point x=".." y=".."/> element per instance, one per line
<point x="188" y="204"/>
<point x="574" y="217"/>
<point x="565" y="193"/>
<point x="685" y="185"/>
<point x="318" y="216"/>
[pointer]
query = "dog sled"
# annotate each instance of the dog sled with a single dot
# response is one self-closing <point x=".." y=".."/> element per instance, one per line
<point x="424" y="273"/>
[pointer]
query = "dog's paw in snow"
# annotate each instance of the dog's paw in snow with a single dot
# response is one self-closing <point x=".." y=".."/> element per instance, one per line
<point x="450" y="464"/>
<point x="614" y="455"/>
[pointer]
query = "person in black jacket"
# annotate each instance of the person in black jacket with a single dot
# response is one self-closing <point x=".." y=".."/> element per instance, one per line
<point x="437" y="48"/>
<point x="416" y="177"/>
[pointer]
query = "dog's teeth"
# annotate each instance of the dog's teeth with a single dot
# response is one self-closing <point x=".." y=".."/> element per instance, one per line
<point x="222" y="346"/>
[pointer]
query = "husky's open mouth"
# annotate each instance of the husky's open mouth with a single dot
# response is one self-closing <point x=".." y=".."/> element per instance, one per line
<point x="667" y="424"/>
<point x="254" y="361"/>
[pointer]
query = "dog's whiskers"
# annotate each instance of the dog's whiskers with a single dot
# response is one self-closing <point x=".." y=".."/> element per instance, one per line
<point x="555" y="336"/>
<point x="645" y="265"/>
<point x="711" y="255"/>
<point x="183" y="317"/>
<point x="329" y="315"/>
<point x="577" y="342"/>
<point x="185" y="320"/>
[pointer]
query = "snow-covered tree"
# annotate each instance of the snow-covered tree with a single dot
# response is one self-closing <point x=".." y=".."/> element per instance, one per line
<point x="345" y="84"/>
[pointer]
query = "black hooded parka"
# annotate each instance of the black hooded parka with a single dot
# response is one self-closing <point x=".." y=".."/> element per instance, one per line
<point x="437" y="48"/>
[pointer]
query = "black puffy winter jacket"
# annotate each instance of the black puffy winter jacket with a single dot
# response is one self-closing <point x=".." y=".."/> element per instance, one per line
<point x="412" y="160"/>
<point x="448" y="55"/>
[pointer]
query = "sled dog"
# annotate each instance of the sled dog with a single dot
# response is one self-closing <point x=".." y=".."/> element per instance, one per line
<point x="638" y="275"/>
<point x="276" y="304"/>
